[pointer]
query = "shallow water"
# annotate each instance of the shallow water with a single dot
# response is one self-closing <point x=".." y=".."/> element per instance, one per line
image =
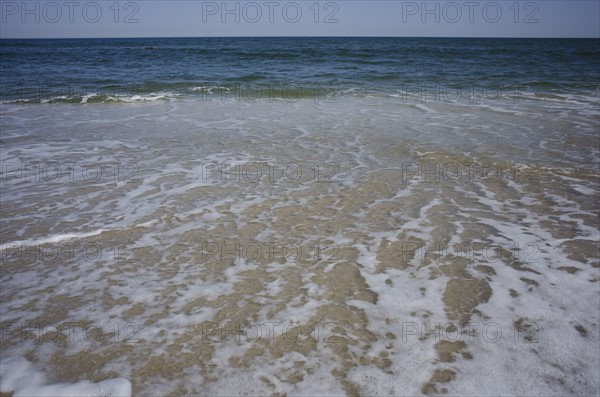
<point x="367" y="245"/>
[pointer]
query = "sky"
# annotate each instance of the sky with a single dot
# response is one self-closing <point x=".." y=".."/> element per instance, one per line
<point x="196" y="18"/>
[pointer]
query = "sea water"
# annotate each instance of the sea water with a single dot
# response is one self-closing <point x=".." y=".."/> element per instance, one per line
<point x="300" y="216"/>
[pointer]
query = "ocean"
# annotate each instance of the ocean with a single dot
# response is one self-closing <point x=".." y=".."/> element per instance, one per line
<point x="300" y="216"/>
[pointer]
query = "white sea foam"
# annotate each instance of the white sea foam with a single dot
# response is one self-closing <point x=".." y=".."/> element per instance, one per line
<point x="19" y="377"/>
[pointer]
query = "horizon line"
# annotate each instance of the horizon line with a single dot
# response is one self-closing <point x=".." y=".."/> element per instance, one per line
<point x="299" y="36"/>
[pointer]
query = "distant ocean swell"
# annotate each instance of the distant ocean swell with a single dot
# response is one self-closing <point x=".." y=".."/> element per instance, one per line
<point x="288" y="91"/>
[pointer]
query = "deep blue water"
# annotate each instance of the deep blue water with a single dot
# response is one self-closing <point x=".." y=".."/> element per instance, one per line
<point x="70" y="68"/>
